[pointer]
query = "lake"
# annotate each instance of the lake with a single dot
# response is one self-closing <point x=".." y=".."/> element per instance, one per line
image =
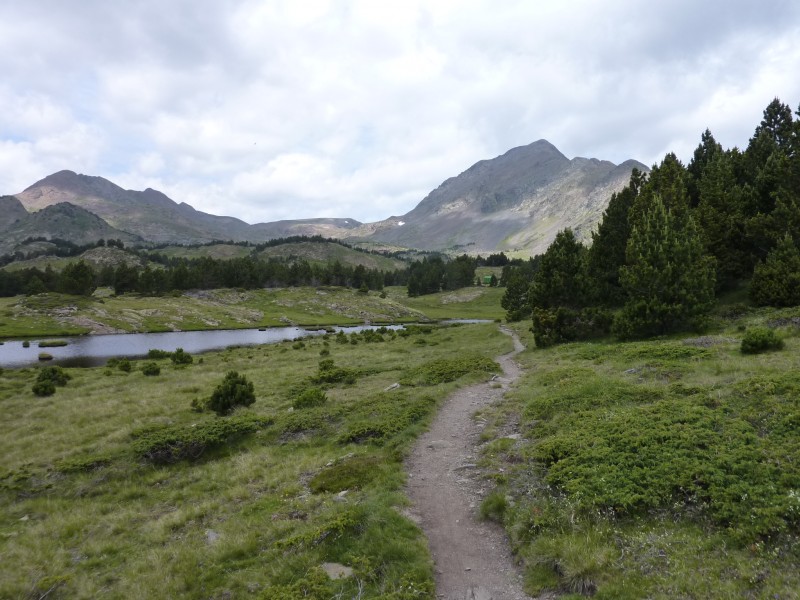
<point x="95" y="350"/>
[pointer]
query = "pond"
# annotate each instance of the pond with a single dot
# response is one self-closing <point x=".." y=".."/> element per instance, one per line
<point x="95" y="350"/>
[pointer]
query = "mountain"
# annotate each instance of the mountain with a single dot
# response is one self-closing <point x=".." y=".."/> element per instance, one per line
<point x="154" y="217"/>
<point x="63" y="220"/>
<point x="515" y="202"/>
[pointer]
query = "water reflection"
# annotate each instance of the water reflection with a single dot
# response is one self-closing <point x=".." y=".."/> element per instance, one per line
<point x="95" y="350"/>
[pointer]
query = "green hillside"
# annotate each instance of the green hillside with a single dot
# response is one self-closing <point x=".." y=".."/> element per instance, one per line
<point x="327" y="252"/>
<point x="216" y="251"/>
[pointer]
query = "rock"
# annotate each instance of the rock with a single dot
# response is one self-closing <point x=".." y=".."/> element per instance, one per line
<point x="211" y="536"/>
<point x="466" y="466"/>
<point x="394" y="386"/>
<point x="479" y="593"/>
<point x="337" y="571"/>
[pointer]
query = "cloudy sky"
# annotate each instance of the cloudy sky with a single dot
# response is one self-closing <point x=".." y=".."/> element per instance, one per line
<point x="269" y="110"/>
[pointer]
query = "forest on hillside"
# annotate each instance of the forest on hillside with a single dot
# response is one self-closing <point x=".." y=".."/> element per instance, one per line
<point x="673" y="241"/>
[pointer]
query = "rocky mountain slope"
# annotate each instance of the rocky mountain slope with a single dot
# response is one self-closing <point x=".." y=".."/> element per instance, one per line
<point x="64" y="220"/>
<point x="515" y="202"/>
<point x="154" y="217"/>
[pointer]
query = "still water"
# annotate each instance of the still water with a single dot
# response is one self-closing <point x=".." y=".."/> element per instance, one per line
<point x="95" y="350"/>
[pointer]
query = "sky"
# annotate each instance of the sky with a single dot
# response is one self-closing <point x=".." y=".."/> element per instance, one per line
<point x="267" y="110"/>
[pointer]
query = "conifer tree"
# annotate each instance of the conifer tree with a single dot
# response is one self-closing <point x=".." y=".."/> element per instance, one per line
<point x="720" y="216"/>
<point x="668" y="181"/>
<point x="776" y="281"/>
<point x="668" y="278"/>
<point x="560" y="280"/>
<point x="607" y="253"/>
<point x="704" y="154"/>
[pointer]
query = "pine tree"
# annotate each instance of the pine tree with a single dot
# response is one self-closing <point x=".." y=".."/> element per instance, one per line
<point x="560" y="280"/>
<point x="607" y="253"/>
<point x="668" y="181"/>
<point x="720" y="216"/>
<point x="668" y="278"/>
<point x="776" y="281"/>
<point x="515" y="298"/>
<point x="704" y="154"/>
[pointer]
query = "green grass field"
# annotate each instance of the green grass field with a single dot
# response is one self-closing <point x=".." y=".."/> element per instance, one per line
<point x="90" y="510"/>
<point x="657" y="469"/>
<point x="59" y="314"/>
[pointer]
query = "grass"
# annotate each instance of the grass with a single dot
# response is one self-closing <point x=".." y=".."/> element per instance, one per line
<point x="660" y="469"/>
<point x="61" y="315"/>
<point x="324" y="253"/>
<point x="466" y="303"/>
<point x="115" y="487"/>
<point x="215" y="251"/>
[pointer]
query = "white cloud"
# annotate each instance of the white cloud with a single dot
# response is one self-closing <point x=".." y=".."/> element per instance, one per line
<point x="282" y="109"/>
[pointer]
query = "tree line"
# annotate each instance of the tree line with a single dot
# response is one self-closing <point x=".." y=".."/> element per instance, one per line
<point x="182" y="274"/>
<point x="673" y="240"/>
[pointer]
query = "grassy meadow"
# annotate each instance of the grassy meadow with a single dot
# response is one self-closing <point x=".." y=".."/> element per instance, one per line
<point x="60" y="314"/>
<point x="658" y="469"/>
<point x="114" y="486"/>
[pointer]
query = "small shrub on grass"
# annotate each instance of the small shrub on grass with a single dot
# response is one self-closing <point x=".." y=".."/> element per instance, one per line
<point x="173" y="443"/>
<point x="494" y="506"/>
<point x="329" y="373"/>
<point x="151" y="369"/>
<point x="157" y="354"/>
<point x="760" y="339"/>
<point x="448" y="369"/>
<point x="350" y="474"/>
<point x="309" y="398"/>
<point x="298" y="345"/>
<point x="324" y="352"/>
<point x="179" y="357"/>
<point x="124" y="365"/>
<point x="235" y="390"/>
<point x="57" y="375"/>
<point x="44" y="388"/>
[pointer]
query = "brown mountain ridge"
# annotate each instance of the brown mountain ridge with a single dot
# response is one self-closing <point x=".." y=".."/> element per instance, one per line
<point x="515" y="202"/>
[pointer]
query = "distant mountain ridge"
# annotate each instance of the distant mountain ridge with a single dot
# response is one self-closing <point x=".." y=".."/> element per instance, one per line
<point x="515" y="202"/>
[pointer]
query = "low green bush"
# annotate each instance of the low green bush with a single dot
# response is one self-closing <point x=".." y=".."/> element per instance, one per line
<point x="179" y="357"/>
<point x="151" y="369"/>
<point x="351" y="474"/>
<point x="235" y="390"/>
<point x="44" y="388"/>
<point x="124" y="365"/>
<point x="449" y="369"/>
<point x="760" y="339"/>
<point x="154" y="353"/>
<point x="167" y="444"/>
<point x="328" y="372"/>
<point x="310" y="397"/>
<point x="57" y="375"/>
<point x="494" y="506"/>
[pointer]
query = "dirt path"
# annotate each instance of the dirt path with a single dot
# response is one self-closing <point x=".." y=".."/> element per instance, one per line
<point x="472" y="558"/>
